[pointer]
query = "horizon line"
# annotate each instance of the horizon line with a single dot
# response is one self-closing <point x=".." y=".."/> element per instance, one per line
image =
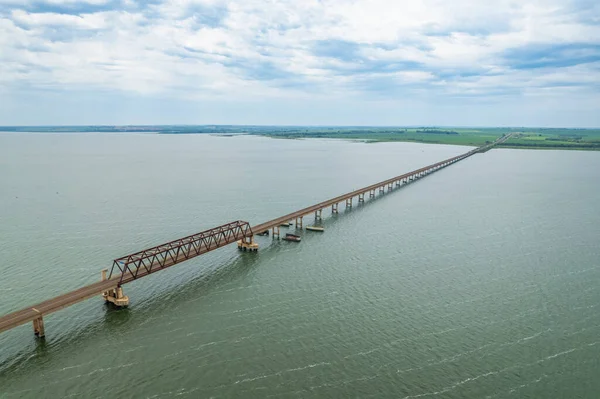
<point x="310" y="126"/>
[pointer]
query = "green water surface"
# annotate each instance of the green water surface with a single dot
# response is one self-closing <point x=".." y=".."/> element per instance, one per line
<point x="479" y="281"/>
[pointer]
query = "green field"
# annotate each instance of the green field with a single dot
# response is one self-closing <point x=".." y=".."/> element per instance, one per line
<point x="588" y="139"/>
<point x="580" y="140"/>
<point x="544" y="138"/>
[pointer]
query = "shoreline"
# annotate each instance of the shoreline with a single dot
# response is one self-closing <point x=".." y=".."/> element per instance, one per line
<point x="515" y="146"/>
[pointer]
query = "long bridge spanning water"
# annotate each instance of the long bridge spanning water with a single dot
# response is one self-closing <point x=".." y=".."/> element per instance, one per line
<point x="140" y="264"/>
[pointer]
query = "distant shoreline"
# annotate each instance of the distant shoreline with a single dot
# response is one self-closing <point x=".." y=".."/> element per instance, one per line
<point x="555" y="139"/>
<point x="522" y="138"/>
<point x="504" y="145"/>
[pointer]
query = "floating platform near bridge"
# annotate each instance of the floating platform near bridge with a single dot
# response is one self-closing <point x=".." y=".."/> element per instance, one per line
<point x="292" y="237"/>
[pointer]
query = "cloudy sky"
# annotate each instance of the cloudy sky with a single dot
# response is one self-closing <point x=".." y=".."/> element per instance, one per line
<point x="311" y="62"/>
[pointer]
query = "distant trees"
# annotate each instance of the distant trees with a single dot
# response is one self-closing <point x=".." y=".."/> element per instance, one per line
<point x="435" y="131"/>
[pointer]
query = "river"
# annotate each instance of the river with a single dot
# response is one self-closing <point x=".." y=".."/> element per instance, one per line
<point x="481" y="280"/>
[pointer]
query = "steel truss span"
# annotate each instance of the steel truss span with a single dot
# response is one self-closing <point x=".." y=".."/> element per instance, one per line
<point x="142" y="263"/>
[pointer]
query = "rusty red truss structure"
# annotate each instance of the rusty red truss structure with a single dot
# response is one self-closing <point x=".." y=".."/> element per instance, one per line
<point x="153" y="259"/>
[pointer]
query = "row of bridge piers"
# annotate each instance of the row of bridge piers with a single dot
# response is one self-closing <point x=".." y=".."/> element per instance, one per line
<point x="248" y="244"/>
<point x="117" y="298"/>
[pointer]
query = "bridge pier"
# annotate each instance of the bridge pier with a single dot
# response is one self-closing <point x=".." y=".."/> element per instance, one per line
<point x="372" y="194"/>
<point x="390" y="187"/>
<point x="38" y="325"/>
<point x="247" y="244"/>
<point x="334" y="208"/>
<point x="381" y="189"/>
<point x="319" y="214"/>
<point x="275" y="232"/>
<point x="115" y="295"/>
<point x="361" y="197"/>
<point x="349" y="202"/>
<point x="299" y="222"/>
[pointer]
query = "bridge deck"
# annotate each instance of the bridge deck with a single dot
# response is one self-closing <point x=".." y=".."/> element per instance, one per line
<point x="52" y="305"/>
<point x="276" y="222"/>
<point x="188" y="249"/>
<point x="31" y="313"/>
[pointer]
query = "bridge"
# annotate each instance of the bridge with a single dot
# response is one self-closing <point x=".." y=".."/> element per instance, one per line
<point x="140" y="264"/>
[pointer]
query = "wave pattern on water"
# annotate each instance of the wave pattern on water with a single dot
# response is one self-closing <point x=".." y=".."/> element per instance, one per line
<point x="480" y="281"/>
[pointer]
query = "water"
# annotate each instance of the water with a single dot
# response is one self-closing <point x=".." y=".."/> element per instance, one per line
<point x="481" y="280"/>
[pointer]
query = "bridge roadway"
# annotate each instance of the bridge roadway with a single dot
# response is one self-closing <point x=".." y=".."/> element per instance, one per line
<point x="361" y="191"/>
<point x="31" y="313"/>
<point x="35" y="312"/>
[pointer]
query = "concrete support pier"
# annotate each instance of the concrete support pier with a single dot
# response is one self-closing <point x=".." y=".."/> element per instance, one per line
<point x="334" y="208"/>
<point x="349" y="203"/>
<point x="38" y="326"/>
<point x="115" y="295"/>
<point x="248" y="244"/>
<point x="299" y="222"/>
<point x="361" y="197"/>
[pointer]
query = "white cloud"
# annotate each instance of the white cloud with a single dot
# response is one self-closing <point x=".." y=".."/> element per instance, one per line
<point x="252" y="48"/>
<point x="21" y="3"/>
<point x="85" y="21"/>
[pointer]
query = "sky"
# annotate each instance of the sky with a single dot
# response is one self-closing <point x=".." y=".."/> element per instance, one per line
<point x="300" y="62"/>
